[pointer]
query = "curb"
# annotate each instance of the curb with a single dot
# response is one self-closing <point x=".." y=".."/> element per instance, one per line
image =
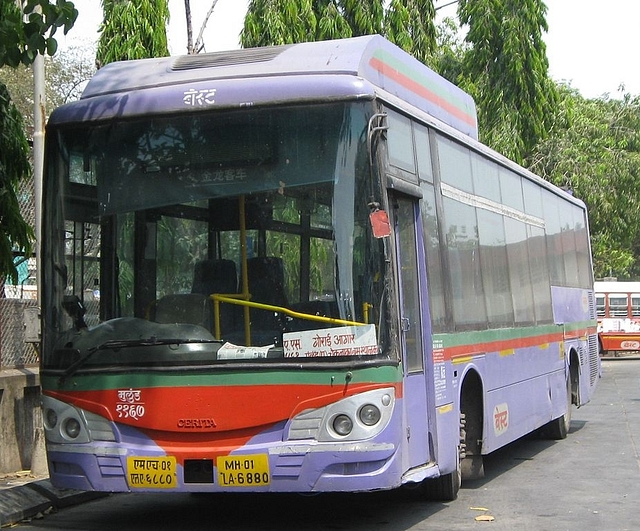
<point x="28" y="500"/>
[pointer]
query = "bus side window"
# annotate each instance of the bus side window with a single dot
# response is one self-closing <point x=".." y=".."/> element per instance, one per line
<point x="635" y="305"/>
<point x="618" y="305"/>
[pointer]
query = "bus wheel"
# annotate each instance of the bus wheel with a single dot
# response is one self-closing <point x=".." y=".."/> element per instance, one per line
<point x="559" y="428"/>
<point x="444" y="488"/>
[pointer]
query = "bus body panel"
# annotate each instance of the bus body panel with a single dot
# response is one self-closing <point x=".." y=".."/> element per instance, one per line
<point x="293" y="465"/>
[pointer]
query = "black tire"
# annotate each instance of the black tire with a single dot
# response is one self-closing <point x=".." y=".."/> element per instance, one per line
<point x="444" y="488"/>
<point x="559" y="428"/>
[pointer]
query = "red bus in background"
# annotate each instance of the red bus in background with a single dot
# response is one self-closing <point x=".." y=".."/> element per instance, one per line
<point x="618" y="311"/>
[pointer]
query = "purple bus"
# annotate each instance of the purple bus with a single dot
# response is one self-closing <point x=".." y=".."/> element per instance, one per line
<point x="296" y="269"/>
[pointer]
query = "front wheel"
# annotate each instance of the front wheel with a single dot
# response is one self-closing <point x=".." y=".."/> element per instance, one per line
<point x="559" y="428"/>
<point x="444" y="488"/>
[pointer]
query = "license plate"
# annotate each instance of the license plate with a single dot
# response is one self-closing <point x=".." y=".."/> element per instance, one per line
<point x="243" y="470"/>
<point x="152" y="472"/>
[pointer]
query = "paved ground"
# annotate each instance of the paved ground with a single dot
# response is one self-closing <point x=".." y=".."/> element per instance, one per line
<point x="24" y="496"/>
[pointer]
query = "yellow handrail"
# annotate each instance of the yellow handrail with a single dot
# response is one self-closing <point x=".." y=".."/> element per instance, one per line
<point x="244" y="272"/>
<point x="236" y="299"/>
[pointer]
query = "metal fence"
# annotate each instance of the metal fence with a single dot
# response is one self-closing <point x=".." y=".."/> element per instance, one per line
<point x="14" y="351"/>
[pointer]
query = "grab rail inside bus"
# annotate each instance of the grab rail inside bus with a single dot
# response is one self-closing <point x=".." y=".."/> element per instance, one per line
<point x="238" y="299"/>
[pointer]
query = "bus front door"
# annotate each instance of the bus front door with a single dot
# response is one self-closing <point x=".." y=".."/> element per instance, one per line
<point x="410" y="262"/>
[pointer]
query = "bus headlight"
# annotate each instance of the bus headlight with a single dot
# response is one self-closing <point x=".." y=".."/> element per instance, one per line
<point x="355" y="418"/>
<point x="71" y="428"/>
<point x="342" y="425"/>
<point x="64" y="423"/>
<point x="50" y="418"/>
<point x="369" y="415"/>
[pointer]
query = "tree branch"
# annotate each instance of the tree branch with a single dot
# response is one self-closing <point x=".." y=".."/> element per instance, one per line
<point x="199" y="45"/>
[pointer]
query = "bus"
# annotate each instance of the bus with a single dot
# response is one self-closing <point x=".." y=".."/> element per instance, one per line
<point x="618" y="314"/>
<point x="307" y="275"/>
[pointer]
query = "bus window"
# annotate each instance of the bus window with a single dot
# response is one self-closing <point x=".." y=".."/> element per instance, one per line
<point x="618" y="305"/>
<point x="635" y="305"/>
<point x="400" y="142"/>
<point x="517" y="249"/>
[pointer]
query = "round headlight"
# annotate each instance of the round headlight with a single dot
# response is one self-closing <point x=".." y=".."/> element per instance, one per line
<point x="369" y="415"/>
<point x="72" y="428"/>
<point x="342" y="425"/>
<point x="50" y="418"/>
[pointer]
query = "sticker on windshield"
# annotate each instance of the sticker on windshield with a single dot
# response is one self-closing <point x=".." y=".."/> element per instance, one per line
<point x="229" y="351"/>
<point x="342" y="341"/>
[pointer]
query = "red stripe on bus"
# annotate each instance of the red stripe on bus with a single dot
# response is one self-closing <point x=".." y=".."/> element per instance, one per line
<point x="497" y="346"/>
<point x="421" y="90"/>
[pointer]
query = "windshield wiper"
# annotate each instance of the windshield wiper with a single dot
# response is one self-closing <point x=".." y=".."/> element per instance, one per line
<point x="126" y="343"/>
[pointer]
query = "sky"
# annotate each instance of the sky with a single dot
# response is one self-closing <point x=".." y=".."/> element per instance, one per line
<point x="591" y="44"/>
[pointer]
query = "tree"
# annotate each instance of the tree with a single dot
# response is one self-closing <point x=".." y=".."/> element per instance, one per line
<point x="132" y="30"/>
<point x="407" y="23"/>
<point x="450" y="51"/>
<point x="199" y="44"/>
<point x="66" y="74"/>
<point x="14" y="166"/>
<point x="20" y="42"/>
<point x="593" y="149"/>
<point x="274" y="22"/>
<point x="506" y="71"/>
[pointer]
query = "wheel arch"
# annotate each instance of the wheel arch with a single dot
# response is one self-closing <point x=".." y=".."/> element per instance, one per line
<point x="573" y="373"/>
<point x="471" y="407"/>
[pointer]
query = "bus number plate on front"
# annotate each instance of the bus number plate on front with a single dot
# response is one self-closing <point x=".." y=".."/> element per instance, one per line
<point x="243" y="470"/>
<point x="151" y="472"/>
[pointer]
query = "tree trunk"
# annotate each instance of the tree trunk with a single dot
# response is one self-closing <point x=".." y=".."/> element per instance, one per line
<point x="187" y="11"/>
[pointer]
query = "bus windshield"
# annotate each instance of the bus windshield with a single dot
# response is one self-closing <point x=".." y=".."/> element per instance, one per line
<point x="214" y="237"/>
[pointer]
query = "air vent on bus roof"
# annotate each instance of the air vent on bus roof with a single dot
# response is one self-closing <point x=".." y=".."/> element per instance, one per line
<point x="227" y="58"/>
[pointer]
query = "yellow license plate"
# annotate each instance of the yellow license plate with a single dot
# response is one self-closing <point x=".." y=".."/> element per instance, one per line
<point x="243" y="470"/>
<point x="152" y="472"/>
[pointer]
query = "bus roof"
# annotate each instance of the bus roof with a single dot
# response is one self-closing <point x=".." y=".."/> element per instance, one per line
<point x="371" y="58"/>
<point x="613" y="286"/>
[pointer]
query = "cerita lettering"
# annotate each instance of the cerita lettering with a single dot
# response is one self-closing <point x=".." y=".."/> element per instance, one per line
<point x="195" y="424"/>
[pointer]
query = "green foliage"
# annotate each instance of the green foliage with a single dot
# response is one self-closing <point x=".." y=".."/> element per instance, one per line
<point x="508" y="67"/>
<point x="20" y="40"/>
<point x="133" y="30"/>
<point x="407" y="23"/>
<point x="275" y="22"/>
<point x="20" y="43"/>
<point x="65" y="76"/>
<point x="364" y="17"/>
<point x="450" y="50"/>
<point x="593" y="149"/>
<point x="14" y="166"/>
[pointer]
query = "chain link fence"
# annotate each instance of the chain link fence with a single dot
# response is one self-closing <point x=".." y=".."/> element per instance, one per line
<point x="14" y="351"/>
